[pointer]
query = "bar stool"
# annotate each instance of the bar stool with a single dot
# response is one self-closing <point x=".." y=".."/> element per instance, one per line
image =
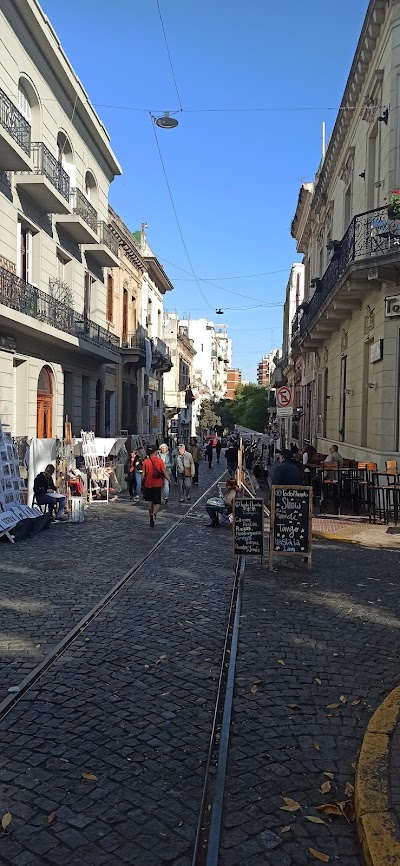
<point x="330" y="486"/>
<point x="385" y="497"/>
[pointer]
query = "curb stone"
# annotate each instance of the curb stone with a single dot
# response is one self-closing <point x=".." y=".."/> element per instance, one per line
<point x="376" y="820"/>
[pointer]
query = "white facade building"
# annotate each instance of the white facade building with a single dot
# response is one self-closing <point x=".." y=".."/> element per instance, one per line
<point x="57" y="357"/>
<point x="213" y="355"/>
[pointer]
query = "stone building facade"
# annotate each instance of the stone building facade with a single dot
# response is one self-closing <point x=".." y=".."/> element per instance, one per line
<point x="349" y="233"/>
<point x="58" y="356"/>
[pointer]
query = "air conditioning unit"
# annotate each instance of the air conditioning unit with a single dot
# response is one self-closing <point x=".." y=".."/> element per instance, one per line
<point x="392" y="306"/>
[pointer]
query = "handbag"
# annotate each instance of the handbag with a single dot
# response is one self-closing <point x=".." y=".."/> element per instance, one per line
<point x="187" y="472"/>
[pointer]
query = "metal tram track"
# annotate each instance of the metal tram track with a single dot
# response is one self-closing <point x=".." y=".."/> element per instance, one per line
<point x="207" y="841"/>
<point x="8" y="703"/>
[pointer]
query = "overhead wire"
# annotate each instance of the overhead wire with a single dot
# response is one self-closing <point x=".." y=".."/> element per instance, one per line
<point x="229" y="291"/>
<point x="176" y="214"/>
<point x="169" y="54"/>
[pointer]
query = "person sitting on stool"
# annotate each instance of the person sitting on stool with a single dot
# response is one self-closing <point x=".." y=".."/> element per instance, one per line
<point x="46" y="493"/>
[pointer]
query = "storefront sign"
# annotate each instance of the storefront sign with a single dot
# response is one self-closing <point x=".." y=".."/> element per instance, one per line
<point x="248" y="527"/>
<point x="291" y="522"/>
<point x="376" y="352"/>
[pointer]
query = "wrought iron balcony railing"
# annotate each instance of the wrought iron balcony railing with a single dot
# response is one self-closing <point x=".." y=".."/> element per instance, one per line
<point x="135" y="340"/>
<point x="160" y="348"/>
<point x="45" y="163"/>
<point x="19" y="295"/>
<point x="107" y="237"/>
<point x="81" y="207"/>
<point x="14" y="123"/>
<point x="370" y="236"/>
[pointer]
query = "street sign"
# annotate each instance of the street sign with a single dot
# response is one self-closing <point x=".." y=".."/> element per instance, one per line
<point x="284" y="397"/>
<point x="284" y="411"/>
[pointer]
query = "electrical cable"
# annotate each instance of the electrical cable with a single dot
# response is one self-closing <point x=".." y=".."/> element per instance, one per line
<point x="229" y="291"/>
<point x="176" y="215"/>
<point x="169" y="54"/>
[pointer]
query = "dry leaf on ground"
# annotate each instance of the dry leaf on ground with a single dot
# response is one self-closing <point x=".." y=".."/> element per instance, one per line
<point x="286" y="829"/>
<point x="354" y="703"/>
<point x="330" y="809"/>
<point x="319" y="855"/>
<point x="330" y="775"/>
<point x="281" y="662"/>
<point x="332" y="706"/>
<point x="293" y="706"/>
<point x="89" y="776"/>
<point x="343" y="699"/>
<point x="325" y="787"/>
<point x="253" y="690"/>
<point x="291" y="805"/>
<point x="317" y="680"/>
<point x="6" y="820"/>
<point x="50" y="818"/>
<point x="315" y="820"/>
<point x="349" y="789"/>
<point x="317" y="747"/>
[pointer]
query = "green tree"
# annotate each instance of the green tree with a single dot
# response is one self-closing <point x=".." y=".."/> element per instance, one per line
<point x="208" y="417"/>
<point x="250" y="406"/>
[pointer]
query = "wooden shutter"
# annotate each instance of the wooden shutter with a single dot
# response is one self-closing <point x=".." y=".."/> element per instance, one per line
<point x="110" y="298"/>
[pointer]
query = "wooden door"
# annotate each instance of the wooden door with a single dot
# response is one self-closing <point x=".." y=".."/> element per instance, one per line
<point x="45" y="404"/>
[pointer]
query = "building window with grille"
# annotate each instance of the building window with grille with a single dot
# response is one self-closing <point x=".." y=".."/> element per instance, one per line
<point x="110" y="298"/>
<point x="24" y="104"/>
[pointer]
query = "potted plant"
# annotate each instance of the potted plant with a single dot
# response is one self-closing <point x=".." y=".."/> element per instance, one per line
<point x="394" y="205"/>
<point x="333" y="245"/>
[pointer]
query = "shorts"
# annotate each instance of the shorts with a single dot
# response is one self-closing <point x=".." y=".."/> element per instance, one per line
<point x="153" y="494"/>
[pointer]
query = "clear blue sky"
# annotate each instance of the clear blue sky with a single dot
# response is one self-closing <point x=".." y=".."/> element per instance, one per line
<point x="234" y="176"/>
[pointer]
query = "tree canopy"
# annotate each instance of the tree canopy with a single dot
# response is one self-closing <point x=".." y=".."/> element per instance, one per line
<point x="249" y="408"/>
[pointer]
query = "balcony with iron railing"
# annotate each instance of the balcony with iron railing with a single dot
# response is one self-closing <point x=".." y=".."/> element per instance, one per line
<point x="82" y="223"/>
<point x="18" y="295"/>
<point x="371" y="240"/>
<point x="133" y="347"/>
<point x="15" y="137"/>
<point x="105" y="250"/>
<point x="162" y="360"/>
<point x="48" y="184"/>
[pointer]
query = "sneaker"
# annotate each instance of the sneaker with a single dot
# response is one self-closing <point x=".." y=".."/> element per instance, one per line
<point x="62" y="519"/>
<point x="181" y="500"/>
<point x="151" y="521"/>
<point x="136" y="499"/>
<point x="165" y="501"/>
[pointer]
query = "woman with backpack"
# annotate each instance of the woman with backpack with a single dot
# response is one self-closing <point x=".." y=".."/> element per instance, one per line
<point x="153" y="475"/>
<point x="185" y="470"/>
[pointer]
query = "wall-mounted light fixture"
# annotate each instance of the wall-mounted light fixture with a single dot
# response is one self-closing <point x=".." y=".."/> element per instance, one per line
<point x="371" y="384"/>
<point x="384" y="117"/>
<point x="349" y="392"/>
<point x="362" y="175"/>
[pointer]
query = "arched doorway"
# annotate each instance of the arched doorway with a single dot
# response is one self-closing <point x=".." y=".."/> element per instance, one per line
<point x="45" y="404"/>
<point x="99" y="400"/>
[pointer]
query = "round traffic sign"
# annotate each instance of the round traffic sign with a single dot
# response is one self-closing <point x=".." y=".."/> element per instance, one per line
<point x="283" y="397"/>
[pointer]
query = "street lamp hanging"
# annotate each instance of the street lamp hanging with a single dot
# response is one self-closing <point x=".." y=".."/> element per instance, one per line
<point x="166" y="121"/>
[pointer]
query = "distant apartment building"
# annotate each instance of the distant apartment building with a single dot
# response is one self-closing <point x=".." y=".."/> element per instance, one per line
<point x="233" y="378"/>
<point x="265" y="369"/>
<point x="213" y="354"/>
<point x="178" y="381"/>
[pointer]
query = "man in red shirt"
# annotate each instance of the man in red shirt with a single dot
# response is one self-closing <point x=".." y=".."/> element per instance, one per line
<point x="153" y="475"/>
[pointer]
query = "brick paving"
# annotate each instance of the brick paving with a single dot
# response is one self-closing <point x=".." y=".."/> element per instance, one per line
<point x="48" y="583"/>
<point x="130" y="703"/>
<point x="332" y="637"/>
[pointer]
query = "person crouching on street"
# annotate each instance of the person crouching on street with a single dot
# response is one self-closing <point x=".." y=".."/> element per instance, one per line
<point x="185" y="471"/>
<point x="153" y="475"/>
<point x="225" y="507"/>
<point x="165" y="456"/>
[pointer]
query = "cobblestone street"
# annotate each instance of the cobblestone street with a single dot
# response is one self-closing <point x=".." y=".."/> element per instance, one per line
<point x="103" y="761"/>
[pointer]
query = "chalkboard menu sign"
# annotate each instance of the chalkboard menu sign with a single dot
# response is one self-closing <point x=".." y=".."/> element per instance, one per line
<point x="248" y="527"/>
<point x="291" y="522"/>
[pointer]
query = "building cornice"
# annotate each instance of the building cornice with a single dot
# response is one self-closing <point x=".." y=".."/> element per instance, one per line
<point x="158" y="274"/>
<point x="27" y="17"/>
<point x="126" y="240"/>
<point x="360" y="68"/>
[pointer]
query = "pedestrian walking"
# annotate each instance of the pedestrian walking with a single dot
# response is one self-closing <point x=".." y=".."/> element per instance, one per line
<point x="197" y="454"/>
<point x="286" y="471"/>
<point x="185" y="470"/>
<point x="153" y="475"/>
<point x="231" y="455"/>
<point x="133" y="475"/>
<point x="218" y="448"/>
<point x="209" y="454"/>
<point x="166" y="457"/>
